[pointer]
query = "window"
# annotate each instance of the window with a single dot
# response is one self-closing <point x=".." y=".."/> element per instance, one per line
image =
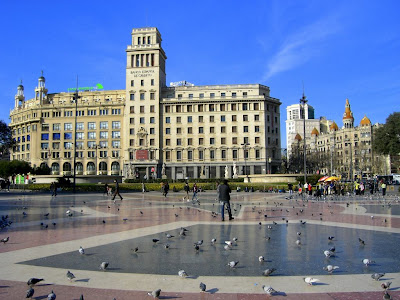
<point x="245" y="128"/>
<point x="201" y="119"/>
<point x="189" y="108"/>
<point x="116" y="111"/>
<point x="152" y="131"/>
<point x="132" y="83"/>
<point x="211" y="119"/>
<point x="80" y="135"/>
<point x="256" y="106"/>
<point x="244" y="106"/>
<point x="223" y="95"/>
<point x="141" y="96"/>
<point x="91" y="112"/>
<point x="222" y="118"/>
<point x="152" y="80"/>
<point x="179" y="142"/>
<point x="56" y="127"/>
<point x="152" y="120"/>
<point x="167" y="120"/>
<point x="67" y="126"/>
<point x="80" y="126"/>
<point x="104" y="134"/>
<point x="223" y="154"/>
<point x="212" y="129"/>
<point x="131" y="131"/>
<point x="256" y="128"/>
<point x="189" y="119"/>
<point x="91" y="125"/>
<point x="201" y="129"/>
<point x="67" y="145"/>
<point x="44" y="146"/>
<point x="132" y="96"/>
<point x="190" y="130"/>
<point x="257" y="140"/>
<point x="103" y="112"/>
<point x="56" y="136"/>
<point x="233" y="95"/>
<point x="190" y="141"/>
<point x="201" y="155"/>
<point x="234" y="118"/>
<point x="234" y="128"/>
<point x="244" y="94"/>
<point x="201" y="141"/>
<point x="92" y="135"/>
<point x="212" y="154"/>
<point x="178" y="130"/>
<point x="116" y="125"/>
<point x="167" y="109"/>
<point x="167" y="155"/>
<point x="55" y="146"/>
<point x="167" y="142"/>
<point x="179" y="96"/>
<point x="256" y="117"/>
<point x="211" y="107"/>
<point x="201" y="95"/>
<point x="258" y="156"/>
<point x="103" y="153"/>
<point x="234" y="140"/>
<point x="104" y="125"/>
<point x="223" y="129"/>
<point x="179" y="155"/>
<point x="245" y="118"/>
<point x="167" y="130"/>
<point x="152" y="108"/>
<point x="131" y="120"/>
<point x="233" y="106"/>
<point x="179" y="108"/>
<point x="141" y="120"/>
<point x="68" y="113"/>
<point x="67" y="135"/>
<point x="67" y="154"/>
<point x="200" y="107"/>
<point x="212" y="141"/>
<point x="223" y="141"/>
<point x="212" y="95"/>
<point x="234" y="154"/>
<point x="190" y="155"/>
<point x="132" y="109"/>
<point x="152" y="96"/>
<point x="142" y="82"/>
<point x="245" y="140"/>
<point x="116" y="134"/>
<point x="178" y="119"/>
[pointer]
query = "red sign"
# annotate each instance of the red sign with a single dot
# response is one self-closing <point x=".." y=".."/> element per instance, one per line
<point x="152" y="169"/>
<point x="142" y="154"/>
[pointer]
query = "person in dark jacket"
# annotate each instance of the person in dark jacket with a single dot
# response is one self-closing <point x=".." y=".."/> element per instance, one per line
<point x="224" y="198"/>
<point x="116" y="190"/>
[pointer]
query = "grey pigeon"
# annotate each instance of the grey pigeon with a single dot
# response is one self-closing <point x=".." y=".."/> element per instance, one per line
<point x="386" y="285"/>
<point x="377" y="276"/>
<point x="202" y="287"/>
<point x="155" y="240"/>
<point x="32" y="281"/>
<point x="5" y="240"/>
<point x="70" y="276"/>
<point x="29" y="293"/>
<point x="104" y="265"/>
<point x="166" y="246"/>
<point x="135" y="250"/>
<point x="182" y="232"/>
<point x="269" y="290"/>
<point x="155" y="294"/>
<point x="268" y="272"/>
<point x="51" y="296"/>
<point x="169" y="236"/>
<point x="386" y="296"/>
<point x="330" y="268"/>
<point x="199" y="242"/>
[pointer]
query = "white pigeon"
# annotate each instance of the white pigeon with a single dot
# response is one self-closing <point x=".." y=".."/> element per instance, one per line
<point x="229" y="243"/>
<point x="226" y="247"/>
<point x="367" y="262"/>
<point x="269" y="290"/>
<point x="213" y="241"/>
<point x="310" y="280"/>
<point x="235" y="239"/>
<point x="328" y="253"/>
<point x="104" y="265"/>
<point x="330" y="268"/>
<point x="155" y="293"/>
<point x="182" y="273"/>
<point x="298" y="242"/>
<point x="68" y="212"/>
<point x="261" y="258"/>
<point x="81" y="250"/>
<point x="233" y="264"/>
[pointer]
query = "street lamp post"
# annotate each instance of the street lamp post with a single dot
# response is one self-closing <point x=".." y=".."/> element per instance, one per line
<point x="245" y="160"/>
<point x="304" y="101"/>
<point x="76" y="96"/>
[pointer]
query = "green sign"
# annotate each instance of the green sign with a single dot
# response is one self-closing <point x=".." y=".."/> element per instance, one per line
<point x="98" y="86"/>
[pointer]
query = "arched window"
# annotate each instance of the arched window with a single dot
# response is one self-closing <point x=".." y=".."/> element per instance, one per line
<point x="90" y="168"/>
<point x="115" y="168"/>
<point x="67" y="168"/>
<point x="79" y="168"/>
<point x="43" y="165"/>
<point x="55" y="168"/>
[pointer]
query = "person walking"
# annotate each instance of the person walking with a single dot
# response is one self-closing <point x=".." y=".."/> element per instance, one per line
<point x="165" y="189"/>
<point x="383" y="186"/>
<point x="105" y="192"/>
<point x="217" y="188"/>
<point x="224" y="198"/>
<point x="195" y="191"/>
<point x="186" y="189"/>
<point x="116" y="192"/>
<point x="290" y="188"/>
<point x="53" y="188"/>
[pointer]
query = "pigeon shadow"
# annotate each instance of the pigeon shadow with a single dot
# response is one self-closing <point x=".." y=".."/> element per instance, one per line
<point x="280" y="294"/>
<point x="320" y="283"/>
<point x="113" y="269"/>
<point x="83" y="280"/>
<point x="212" y="291"/>
<point x="169" y="297"/>
<point x="192" y="277"/>
<point x="4" y="286"/>
<point x="394" y="288"/>
<point x="89" y="254"/>
<point x="41" y="297"/>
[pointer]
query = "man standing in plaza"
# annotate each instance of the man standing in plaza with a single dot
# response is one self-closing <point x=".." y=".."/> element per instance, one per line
<point x="383" y="186"/>
<point x="224" y="198"/>
<point x="116" y="190"/>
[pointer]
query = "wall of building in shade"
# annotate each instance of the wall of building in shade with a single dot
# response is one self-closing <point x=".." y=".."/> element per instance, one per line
<point x="194" y="131"/>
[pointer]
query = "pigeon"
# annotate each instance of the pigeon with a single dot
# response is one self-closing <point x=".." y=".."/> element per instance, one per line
<point x="233" y="264"/>
<point x="196" y="247"/>
<point x="386" y="285"/>
<point x="386" y="296"/>
<point x="331" y="238"/>
<point x="367" y="262"/>
<point x="70" y="276"/>
<point x="235" y="239"/>
<point x="310" y="280"/>
<point x="29" y="293"/>
<point x="68" y="212"/>
<point x="229" y="243"/>
<point x="332" y="249"/>
<point x="298" y="242"/>
<point x="166" y="246"/>
<point x="169" y="236"/>
<point x="213" y="241"/>
<point x="104" y="265"/>
<point x="24" y="214"/>
<point x="81" y="250"/>
<point x="135" y="250"/>
<point x="202" y="287"/>
<point x="182" y="273"/>
<point x="46" y="215"/>
<point x="155" y="293"/>
<point x="330" y="268"/>
<point x="362" y="243"/>
<point x="269" y="290"/>
<point x="328" y="253"/>
<point x="33" y="281"/>
<point x="5" y="240"/>
<point x="51" y="296"/>
<point x="298" y="233"/>
<point x="155" y="241"/>
<point x="199" y="242"/>
<point x="268" y="272"/>
<point x="182" y="232"/>
<point x="261" y="258"/>
<point x="377" y="276"/>
<point x="226" y="247"/>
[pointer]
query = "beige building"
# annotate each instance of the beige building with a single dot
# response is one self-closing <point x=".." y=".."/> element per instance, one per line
<point x="346" y="151"/>
<point x="150" y="129"/>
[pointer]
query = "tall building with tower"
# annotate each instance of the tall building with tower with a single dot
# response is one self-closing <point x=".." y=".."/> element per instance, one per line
<point x="150" y="129"/>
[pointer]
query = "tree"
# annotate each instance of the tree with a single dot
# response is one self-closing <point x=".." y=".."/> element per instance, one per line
<point x="387" y="137"/>
<point x="6" y="140"/>
<point x="14" y="167"/>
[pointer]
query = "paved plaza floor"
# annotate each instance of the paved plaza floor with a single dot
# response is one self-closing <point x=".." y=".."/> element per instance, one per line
<point x="142" y="239"/>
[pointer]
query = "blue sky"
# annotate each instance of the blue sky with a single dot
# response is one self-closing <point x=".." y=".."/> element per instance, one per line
<point x="339" y="49"/>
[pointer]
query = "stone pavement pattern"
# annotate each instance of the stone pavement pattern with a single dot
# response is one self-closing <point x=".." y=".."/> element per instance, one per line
<point x="46" y="246"/>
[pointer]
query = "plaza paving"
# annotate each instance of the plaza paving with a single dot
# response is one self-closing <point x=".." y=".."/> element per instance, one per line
<point x="44" y="240"/>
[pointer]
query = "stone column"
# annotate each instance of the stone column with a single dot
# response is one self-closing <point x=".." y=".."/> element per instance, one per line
<point x="173" y="173"/>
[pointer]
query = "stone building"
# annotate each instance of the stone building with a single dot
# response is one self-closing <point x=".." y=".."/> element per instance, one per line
<point x="150" y="128"/>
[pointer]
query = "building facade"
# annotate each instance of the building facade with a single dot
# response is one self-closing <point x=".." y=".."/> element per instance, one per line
<point x="346" y="151"/>
<point x="150" y="129"/>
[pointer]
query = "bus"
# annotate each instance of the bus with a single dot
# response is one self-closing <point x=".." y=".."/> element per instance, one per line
<point x="390" y="179"/>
